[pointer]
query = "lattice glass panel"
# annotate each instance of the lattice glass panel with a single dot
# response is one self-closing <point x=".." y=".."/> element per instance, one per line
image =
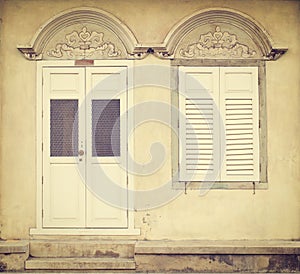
<point x="106" y="128"/>
<point x="63" y="128"/>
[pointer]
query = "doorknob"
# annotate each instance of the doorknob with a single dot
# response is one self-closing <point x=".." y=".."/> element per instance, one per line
<point x="81" y="152"/>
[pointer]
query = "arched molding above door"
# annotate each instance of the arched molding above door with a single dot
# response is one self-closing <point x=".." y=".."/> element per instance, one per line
<point x="81" y="33"/>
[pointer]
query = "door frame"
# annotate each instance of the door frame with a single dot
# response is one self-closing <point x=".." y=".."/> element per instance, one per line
<point x="39" y="230"/>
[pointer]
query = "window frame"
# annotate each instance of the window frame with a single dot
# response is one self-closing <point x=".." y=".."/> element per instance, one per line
<point x="196" y="185"/>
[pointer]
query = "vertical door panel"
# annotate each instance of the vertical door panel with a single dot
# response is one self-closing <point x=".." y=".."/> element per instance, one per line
<point x="63" y="127"/>
<point x="106" y="147"/>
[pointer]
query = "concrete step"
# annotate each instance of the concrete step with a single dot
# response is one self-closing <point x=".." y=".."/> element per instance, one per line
<point x="79" y="264"/>
<point x="11" y="247"/>
<point x="81" y="248"/>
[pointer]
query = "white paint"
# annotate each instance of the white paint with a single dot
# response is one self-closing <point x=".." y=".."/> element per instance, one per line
<point x="87" y="214"/>
<point x="233" y="129"/>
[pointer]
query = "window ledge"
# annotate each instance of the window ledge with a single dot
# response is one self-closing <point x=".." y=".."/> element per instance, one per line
<point x="220" y="185"/>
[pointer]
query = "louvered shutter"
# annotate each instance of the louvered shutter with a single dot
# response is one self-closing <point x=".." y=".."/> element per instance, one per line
<point x="198" y="122"/>
<point x="239" y="106"/>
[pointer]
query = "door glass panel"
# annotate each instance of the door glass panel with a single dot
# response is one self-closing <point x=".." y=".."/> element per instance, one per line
<point x="106" y="128"/>
<point x="63" y="128"/>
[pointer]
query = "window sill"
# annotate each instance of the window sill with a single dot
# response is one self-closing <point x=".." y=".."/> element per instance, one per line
<point x="220" y="185"/>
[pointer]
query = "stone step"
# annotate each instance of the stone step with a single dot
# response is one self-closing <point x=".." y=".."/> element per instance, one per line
<point x="11" y="247"/>
<point x="81" y="248"/>
<point x="79" y="264"/>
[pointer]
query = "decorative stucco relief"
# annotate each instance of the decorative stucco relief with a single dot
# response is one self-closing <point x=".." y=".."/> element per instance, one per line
<point x="217" y="45"/>
<point x="89" y="33"/>
<point x="84" y="44"/>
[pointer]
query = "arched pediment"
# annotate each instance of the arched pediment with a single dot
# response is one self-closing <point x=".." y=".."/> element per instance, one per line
<point x="88" y="33"/>
<point x="81" y="33"/>
<point x="220" y="34"/>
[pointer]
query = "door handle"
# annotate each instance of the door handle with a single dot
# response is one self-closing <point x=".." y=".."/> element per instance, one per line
<point x="81" y="152"/>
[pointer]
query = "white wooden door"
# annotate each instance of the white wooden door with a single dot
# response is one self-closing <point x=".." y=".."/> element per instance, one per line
<point x="84" y="147"/>
<point x="106" y="147"/>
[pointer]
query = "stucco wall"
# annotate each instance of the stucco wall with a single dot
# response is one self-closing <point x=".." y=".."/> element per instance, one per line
<point x="1" y="11"/>
<point x="220" y="214"/>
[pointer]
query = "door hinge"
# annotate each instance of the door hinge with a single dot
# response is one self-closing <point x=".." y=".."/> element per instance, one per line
<point x="42" y="213"/>
<point x="259" y="167"/>
<point x="42" y="179"/>
<point x="259" y="124"/>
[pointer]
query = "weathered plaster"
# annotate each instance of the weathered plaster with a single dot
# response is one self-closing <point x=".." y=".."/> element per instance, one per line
<point x="234" y="214"/>
<point x="1" y="91"/>
<point x="217" y="263"/>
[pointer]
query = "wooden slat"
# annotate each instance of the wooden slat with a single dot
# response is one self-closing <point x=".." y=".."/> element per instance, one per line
<point x="198" y="125"/>
<point x="241" y="121"/>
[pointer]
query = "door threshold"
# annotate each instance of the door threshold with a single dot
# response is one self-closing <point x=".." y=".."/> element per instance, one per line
<point x="88" y="232"/>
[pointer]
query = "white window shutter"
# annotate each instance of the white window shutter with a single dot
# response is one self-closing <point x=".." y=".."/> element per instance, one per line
<point x="199" y="124"/>
<point x="239" y="107"/>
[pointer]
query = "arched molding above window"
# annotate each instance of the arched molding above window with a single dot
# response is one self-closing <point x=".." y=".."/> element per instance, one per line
<point x="81" y="33"/>
<point x="220" y="34"/>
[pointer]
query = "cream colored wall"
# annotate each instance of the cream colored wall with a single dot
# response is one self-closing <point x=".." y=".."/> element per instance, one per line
<point x="1" y="11"/>
<point x="221" y="214"/>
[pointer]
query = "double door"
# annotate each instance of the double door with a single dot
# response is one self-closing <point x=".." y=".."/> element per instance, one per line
<point x="85" y="147"/>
